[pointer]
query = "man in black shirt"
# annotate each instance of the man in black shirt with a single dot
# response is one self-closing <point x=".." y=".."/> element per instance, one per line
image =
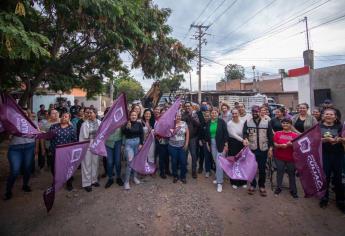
<point x="74" y="110"/>
<point x="193" y="123"/>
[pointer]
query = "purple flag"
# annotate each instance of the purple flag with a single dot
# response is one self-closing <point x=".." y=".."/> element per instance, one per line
<point x="16" y="122"/>
<point x="243" y="166"/>
<point x="140" y="163"/>
<point x="67" y="159"/>
<point x="115" y="118"/>
<point x="307" y="153"/>
<point x="167" y="120"/>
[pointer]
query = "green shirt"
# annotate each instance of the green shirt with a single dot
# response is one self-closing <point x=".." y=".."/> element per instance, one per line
<point x="116" y="136"/>
<point x="213" y="128"/>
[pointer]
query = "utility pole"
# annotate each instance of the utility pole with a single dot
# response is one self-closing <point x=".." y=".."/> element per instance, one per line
<point x="308" y="57"/>
<point x="307" y="31"/>
<point x="199" y="36"/>
<point x="190" y="85"/>
<point x="254" y="80"/>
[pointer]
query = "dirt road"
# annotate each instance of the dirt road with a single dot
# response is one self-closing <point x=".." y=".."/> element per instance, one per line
<point x="159" y="207"/>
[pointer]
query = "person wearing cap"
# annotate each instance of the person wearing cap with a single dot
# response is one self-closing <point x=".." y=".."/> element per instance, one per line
<point x="329" y="104"/>
<point x="201" y="143"/>
<point x="283" y="156"/>
<point x="258" y="135"/>
<point x="74" y="110"/>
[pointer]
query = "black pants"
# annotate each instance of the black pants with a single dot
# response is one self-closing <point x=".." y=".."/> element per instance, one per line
<point x="201" y="156"/>
<point x="332" y="165"/>
<point x="104" y="160"/>
<point x="163" y="155"/>
<point x="261" y="158"/>
<point x="235" y="147"/>
<point x="41" y="161"/>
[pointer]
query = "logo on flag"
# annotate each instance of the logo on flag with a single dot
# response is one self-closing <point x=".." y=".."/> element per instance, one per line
<point x="115" y="118"/>
<point x="67" y="159"/>
<point x="307" y="154"/>
<point x="304" y="145"/>
<point x="243" y="166"/>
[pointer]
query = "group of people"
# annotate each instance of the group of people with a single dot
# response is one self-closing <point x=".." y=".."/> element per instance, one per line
<point x="203" y="132"/>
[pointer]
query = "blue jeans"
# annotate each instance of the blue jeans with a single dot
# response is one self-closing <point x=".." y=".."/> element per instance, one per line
<point x="131" y="149"/>
<point x="215" y="154"/>
<point x="20" y="156"/>
<point x="114" y="159"/>
<point x="178" y="157"/>
<point x="163" y="154"/>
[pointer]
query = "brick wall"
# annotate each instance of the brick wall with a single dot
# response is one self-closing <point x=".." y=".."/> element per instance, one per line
<point x="273" y="85"/>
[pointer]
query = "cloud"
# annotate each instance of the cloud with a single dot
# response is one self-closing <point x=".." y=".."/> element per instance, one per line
<point x="240" y="24"/>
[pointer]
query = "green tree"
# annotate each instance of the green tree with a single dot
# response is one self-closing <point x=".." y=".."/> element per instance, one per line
<point x="171" y="84"/>
<point x="63" y="44"/>
<point x="128" y="85"/>
<point x="234" y="71"/>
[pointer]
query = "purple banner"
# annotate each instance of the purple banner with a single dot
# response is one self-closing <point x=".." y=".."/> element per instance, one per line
<point x="115" y="118"/>
<point x="307" y="153"/>
<point x="140" y="162"/>
<point x="15" y="122"/>
<point x="67" y="159"/>
<point x="243" y="166"/>
<point x="167" y="120"/>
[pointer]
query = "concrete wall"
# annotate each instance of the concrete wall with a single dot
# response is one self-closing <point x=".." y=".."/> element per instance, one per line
<point x="37" y="100"/>
<point x="332" y="78"/>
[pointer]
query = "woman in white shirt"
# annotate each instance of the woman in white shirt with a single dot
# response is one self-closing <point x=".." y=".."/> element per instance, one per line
<point x="235" y="130"/>
<point x="89" y="166"/>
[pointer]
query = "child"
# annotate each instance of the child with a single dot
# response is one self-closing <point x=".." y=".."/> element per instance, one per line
<point x="283" y="156"/>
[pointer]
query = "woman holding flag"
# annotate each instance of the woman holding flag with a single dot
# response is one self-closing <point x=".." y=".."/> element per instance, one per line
<point x="332" y="156"/>
<point x="178" y="144"/>
<point x="20" y="154"/>
<point x="63" y="133"/>
<point x="89" y="165"/>
<point x="134" y="134"/>
<point x="235" y="131"/>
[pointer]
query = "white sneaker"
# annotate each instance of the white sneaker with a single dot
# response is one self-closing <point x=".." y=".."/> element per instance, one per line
<point x="136" y="180"/>
<point x="219" y="188"/>
<point x="127" y="186"/>
<point x="244" y="186"/>
<point x="215" y="181"/>
<point x="234" y="187"/>
<point x="207" y="174"/>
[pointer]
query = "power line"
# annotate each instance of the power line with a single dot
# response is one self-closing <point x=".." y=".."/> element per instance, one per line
<point x="227" y="9"/>
<point x="334" y="20"/>
<point x="202" y="12"/>
<point x="275" y="30"/>
<point x="213" y="11"/>
<point x="250" y="18"/>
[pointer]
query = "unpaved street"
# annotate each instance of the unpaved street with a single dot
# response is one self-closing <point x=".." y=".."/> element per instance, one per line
<point x="159" y="207"/>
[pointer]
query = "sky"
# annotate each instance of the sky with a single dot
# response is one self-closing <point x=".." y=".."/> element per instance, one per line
<point x="269" y="34"/>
